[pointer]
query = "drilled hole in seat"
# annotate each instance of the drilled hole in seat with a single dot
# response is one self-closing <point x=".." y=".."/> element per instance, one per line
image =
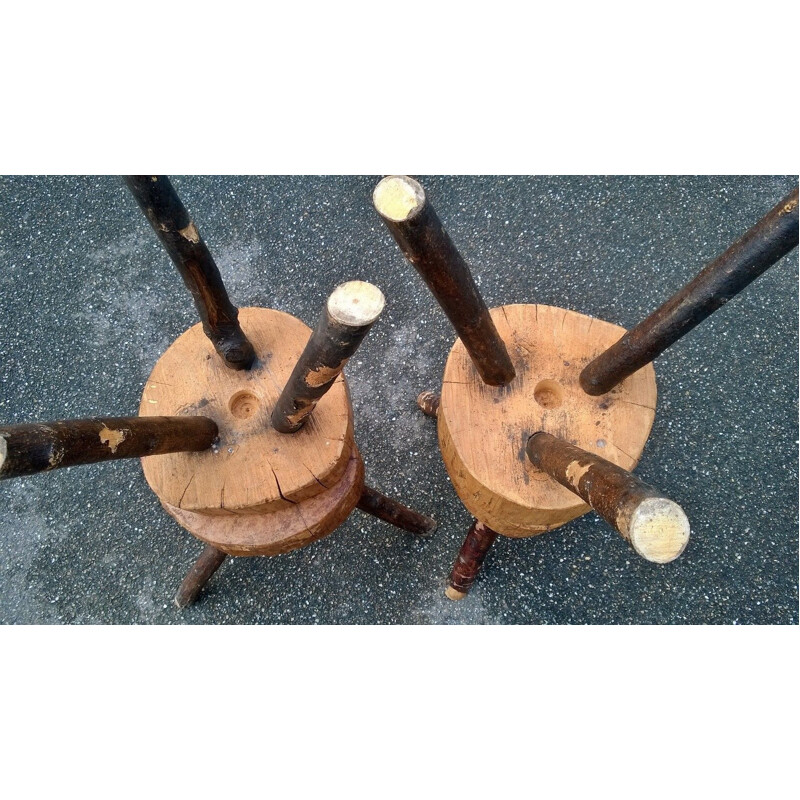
<point x="243" y="404"/>
<point x="548" y="394"/>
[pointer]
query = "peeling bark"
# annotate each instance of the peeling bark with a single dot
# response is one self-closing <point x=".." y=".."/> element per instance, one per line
<point x="654" y="525"/>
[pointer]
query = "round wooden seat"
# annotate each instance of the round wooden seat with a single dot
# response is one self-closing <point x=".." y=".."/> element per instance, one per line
<point x="281" y="531"/>
<point x="483" y="430"/>
<point x="253" y="469"/>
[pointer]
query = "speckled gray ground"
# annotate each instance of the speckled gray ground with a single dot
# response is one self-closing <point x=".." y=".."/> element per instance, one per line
<point x="88" y="302"/>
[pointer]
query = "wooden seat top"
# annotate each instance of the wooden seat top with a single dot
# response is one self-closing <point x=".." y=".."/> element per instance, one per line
<point x="483" y="429"/>
<point x="253" y="468"/>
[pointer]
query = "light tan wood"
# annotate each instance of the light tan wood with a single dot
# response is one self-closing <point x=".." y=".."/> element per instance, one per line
<point x="356" y="303"/>
<point x="658" y="529"/>
<point x="398" y="197"/>
<point x="483" y="429"/>
<point x="254" y="468"/>
<point x="279" y="531"/>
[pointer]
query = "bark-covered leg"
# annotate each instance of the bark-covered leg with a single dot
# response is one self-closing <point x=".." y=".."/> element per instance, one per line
<point x="470" y="559"/>
<point x="382" y="507"/>
<point x="181" y="239"/>
<point x="655" y="526"/>
<point x="771" y="238"/>
<point x="198" y="576"/>
<point x="428" y="403"/>
<point x="346" y="319"/>
<point x="416" y="228"/>
<point x="42" y="446"/>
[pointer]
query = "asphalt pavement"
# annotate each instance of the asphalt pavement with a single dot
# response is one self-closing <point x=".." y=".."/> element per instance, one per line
<point x="89" y="301"/>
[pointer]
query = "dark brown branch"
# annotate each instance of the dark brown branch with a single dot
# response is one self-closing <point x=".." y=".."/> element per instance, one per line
<point x="382" y="507"/>
<point x="655" y="526"/>
<point x="181" y="239"/>
<point x="198" y="576"/>
<point x="40" y="447"/>
<point x="428" y="403"/>
<point x="345" y="320"/>
<point x="470" y="560"/>
<point x="762" y="246"/>
<point x="416" y="228"/>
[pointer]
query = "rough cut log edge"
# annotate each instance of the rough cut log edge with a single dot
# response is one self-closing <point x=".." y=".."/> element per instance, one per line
<point x="287" y="529"/>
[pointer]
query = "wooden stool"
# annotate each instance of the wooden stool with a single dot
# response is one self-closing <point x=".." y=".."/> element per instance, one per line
<point x="260" y="492"/>
<point x="245" y="426"/>
<point x="543" y="411"/>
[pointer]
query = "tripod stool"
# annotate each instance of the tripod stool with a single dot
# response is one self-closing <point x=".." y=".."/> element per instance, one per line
<point x="543" y="411"/>
<point x="245" y="425"/>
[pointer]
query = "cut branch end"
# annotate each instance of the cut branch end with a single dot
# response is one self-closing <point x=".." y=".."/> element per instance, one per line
<point x="356" y="303"/>
<point x="398" y="198"/>
<point x="454" y="594"/>
<point x="659" y="530"/>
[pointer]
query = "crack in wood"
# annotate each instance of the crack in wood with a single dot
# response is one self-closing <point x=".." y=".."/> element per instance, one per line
<point x="631" y="403"/>
<point x="180" y="502"/>
<point x="315" y="477"/>
<point x="278" y="483"/>
<point x="613" y="444"/>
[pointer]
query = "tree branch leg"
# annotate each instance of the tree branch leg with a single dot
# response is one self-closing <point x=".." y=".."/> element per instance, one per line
<point x="428" y="403"/>
<point x="198" y="576"/>
<point x="395" y="513"/>
<point x="470" y="558"/>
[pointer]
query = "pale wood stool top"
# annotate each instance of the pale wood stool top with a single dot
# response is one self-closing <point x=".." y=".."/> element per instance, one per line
<point x="254" y="469"/>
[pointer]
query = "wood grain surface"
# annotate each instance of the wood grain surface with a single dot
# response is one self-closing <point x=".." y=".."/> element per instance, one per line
<point x="253" y="468"/>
